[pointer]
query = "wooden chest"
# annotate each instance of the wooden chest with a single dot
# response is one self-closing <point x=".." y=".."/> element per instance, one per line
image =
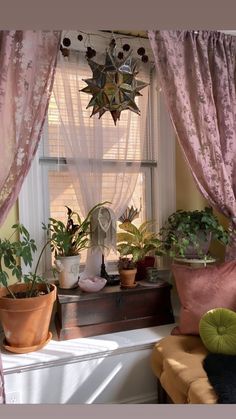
<point x="112" y="309"/>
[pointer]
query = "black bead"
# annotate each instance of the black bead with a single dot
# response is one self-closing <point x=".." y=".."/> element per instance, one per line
<point x="120" y="55"/>
<point x="145" y="58"/>
<point x="65" y="51"/>
<point x="126" y="47"/>
<point x="89" y="53"/>
<point x="79" y="37"/>
<point x="66" y="42"/>
<point x="141" y="51"/>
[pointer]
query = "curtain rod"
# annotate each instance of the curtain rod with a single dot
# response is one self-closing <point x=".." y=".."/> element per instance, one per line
<point x="125" y="34"/>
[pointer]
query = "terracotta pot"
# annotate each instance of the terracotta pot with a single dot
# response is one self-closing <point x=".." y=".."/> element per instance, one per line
<point x="127" y="276"/>
<point x="68" y="270"/>
<point x="142" y="265"/>
<point x="26" y="321"/>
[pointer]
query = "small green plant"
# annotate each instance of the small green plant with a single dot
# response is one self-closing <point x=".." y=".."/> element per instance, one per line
<point x="11" y="254"/>
<point x="70" y="238"/>
<point x="125" y="263"/>
<point x="138" y="241"/>
<point x="191" y="228"/>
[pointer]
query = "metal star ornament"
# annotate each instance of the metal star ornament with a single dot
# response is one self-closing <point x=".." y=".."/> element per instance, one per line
<point x="113" y="86"/>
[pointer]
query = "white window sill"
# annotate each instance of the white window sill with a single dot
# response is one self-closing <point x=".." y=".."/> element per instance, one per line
<point x="57" y="353"/>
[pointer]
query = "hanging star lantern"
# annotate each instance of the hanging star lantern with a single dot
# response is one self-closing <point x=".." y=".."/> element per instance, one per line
<point x="113" y="86"/>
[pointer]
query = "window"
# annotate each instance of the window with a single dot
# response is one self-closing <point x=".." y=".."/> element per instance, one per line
<point x="50" y="180"/>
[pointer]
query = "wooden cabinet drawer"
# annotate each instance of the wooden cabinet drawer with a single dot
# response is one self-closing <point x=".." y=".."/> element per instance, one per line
<point x="112" y="309"/>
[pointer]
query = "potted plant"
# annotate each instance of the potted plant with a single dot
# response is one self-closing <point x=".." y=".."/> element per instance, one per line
<point x="188" y="234"/>
<point x="127" y="271"/>
<point x="67" y="241"/>
<point x="140" y="242"/>
<point x="26" y="306"/>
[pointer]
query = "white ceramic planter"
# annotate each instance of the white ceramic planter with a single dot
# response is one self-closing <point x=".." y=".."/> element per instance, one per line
<point x="201" y="246"/>
<point x="68" y="271"/>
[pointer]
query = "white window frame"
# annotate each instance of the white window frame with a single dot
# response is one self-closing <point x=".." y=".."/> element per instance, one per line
<point x="34" y="195"/>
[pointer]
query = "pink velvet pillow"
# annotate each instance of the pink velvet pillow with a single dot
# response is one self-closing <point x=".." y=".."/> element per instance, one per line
<point x="200" y="290"/>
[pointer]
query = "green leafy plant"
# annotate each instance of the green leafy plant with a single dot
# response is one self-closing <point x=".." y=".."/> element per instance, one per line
<point x="11" y="254"/>
<point x="138" y="241"/>
<point x="70" y="238"/>
<point x="191" y="228"/>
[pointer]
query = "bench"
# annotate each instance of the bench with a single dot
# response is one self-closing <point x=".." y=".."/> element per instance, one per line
<point x="177" y="363"/>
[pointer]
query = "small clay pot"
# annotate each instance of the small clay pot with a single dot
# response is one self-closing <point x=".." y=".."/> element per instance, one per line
<point x="127" y="276"/>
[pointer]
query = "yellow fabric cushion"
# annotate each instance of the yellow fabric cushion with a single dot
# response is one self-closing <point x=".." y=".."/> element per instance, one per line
<point x="177" y="362"/>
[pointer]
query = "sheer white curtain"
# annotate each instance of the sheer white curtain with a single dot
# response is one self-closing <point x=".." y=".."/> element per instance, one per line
<point x="103" y="159"/>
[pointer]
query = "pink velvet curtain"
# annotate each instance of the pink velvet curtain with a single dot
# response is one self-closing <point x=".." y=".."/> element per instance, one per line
<point x="27" y="65"/>
<point x="197" y="71"/>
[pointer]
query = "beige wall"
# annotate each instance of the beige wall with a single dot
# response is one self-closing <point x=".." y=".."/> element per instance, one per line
<point x="12" y="218"/>
<point x="187" y="195"/>
<point x="6" y="230"/>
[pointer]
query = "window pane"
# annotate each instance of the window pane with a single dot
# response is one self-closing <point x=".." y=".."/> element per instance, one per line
<point x="111" y="150"/>
<point x="61" y="194"/>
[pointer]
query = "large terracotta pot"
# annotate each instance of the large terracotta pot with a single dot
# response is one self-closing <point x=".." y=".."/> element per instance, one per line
<point x="26" y="321"/>
<point x="68" y="270"/>
<point x="127" y="277"/>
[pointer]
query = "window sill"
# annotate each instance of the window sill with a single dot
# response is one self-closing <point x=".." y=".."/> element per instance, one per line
<point x="57" y="353"/>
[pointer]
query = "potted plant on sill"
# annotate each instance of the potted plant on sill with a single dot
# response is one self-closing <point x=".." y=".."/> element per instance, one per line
<point x="141" y="243"/>
<point x="127" y="271"/>
<point x="67" y="241"/>
<point x="188" y="234"/>
<point x="26" y="306"/>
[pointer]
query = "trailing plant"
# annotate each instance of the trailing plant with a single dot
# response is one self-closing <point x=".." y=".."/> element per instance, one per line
<point x="184" y="228"/>
<point x="138" y="241"/>
<point x="71" y="237"/>
<point x="11" y="254"/>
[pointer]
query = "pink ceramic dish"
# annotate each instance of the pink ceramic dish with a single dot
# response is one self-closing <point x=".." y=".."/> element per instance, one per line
<point x="92" y="284"/>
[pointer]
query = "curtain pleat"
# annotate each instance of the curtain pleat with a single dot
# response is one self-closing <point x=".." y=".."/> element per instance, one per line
<point x="197" y="72"/>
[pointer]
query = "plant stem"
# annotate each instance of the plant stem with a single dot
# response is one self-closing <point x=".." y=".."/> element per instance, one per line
<point x="37" y="265"/>
<point x="12" y="234"/>
<point x="10" y="292"/>
<point x="8" y="289"/>
<point x="36" y="268"/>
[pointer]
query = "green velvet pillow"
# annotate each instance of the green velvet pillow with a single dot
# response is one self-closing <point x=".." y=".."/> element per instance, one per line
<point x="217" y="329"/>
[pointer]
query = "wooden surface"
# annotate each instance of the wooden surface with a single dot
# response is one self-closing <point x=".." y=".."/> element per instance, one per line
<point x="112" y="309"/>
